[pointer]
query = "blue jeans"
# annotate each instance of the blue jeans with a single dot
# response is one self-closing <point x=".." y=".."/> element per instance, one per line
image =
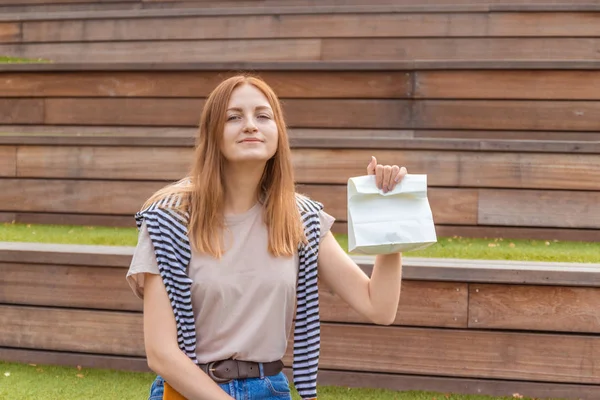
<point x="266" y="388"/>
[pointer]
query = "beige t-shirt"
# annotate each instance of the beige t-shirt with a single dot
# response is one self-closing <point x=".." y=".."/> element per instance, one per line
<point x="243" y="304"/>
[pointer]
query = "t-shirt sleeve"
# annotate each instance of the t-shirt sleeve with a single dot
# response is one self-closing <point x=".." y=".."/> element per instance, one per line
<point x="143" y="262"/>
<point x="326" y="222"/>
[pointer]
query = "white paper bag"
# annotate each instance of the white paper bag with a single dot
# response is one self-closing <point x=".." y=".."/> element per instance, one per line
<point x="384" y="223"/>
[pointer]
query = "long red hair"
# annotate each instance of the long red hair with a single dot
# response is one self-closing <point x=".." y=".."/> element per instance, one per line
<point x="202" y="192"/>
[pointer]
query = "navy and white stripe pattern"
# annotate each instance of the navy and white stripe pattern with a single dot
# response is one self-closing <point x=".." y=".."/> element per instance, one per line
<point x="168" y="232"/>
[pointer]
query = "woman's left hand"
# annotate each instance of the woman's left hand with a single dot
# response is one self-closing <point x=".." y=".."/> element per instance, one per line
<point x="386" y="176"/>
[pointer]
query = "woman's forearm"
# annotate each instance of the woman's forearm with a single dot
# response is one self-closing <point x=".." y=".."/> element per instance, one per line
<point x="185" y="377"/>
<point x="384" y="287"/>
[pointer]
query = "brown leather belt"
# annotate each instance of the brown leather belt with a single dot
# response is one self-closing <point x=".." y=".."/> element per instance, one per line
<point x="227" y="370"/>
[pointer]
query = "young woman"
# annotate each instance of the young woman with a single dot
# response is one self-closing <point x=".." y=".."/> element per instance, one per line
<point x="226" y="261"/>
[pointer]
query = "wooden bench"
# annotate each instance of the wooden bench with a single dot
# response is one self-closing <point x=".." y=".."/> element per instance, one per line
<point x="457" y="124"/>
<point x="282" y="33"/>
<point x="463" y="326"/>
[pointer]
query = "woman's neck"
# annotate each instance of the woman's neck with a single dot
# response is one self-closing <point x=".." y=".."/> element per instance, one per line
<point x="241" y="186"/>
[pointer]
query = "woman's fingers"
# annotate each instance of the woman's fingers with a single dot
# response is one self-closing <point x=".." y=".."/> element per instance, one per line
<point x="387" y="178"/>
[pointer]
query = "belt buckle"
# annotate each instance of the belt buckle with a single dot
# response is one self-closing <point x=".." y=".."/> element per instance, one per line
<point x="210" y="368"/>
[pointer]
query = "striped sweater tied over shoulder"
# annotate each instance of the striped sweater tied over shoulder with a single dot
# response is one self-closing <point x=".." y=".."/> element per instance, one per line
<point x="167" y="227"/>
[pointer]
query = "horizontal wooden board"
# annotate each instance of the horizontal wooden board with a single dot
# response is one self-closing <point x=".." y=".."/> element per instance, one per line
<point x="504" y="388"/>
<point x="332" y="378"/>
<point x="67" y="286"/>
<point x="419" y="269"/>
<point x="83" y="197"/>
<point x="379" y="114"/>
<point x="507" y="115"/>
<point x="8" y="161"/>
<point x="507" y="84"/>
<point x="175" y="27"/>
<point x="449" y="206"/>
<point x="471" y="169"/>
<point x="21" y="111"/>
<point x="84" y="331"/>
<point x="104" y="162"/>
<point x="400" y="49"/>
<point x="321" y="113"/>
<point x="545" y="308"/>
<point x="505" y="141"/>
<point x="10" y="32"/>
<point x="513" y="135"/>
<point x="171" y="51"/>
<point x="459" y="353"/>
<point x="66" y="254"/>
<point x="523" y="356"/>
<point x="326" y="113"/>
<point x="287" y="84"/>
<point x="67" y="359"/>
<point x="421" y="304"/>
<point x="114" y="198"/>
<point x="562" y="209"/>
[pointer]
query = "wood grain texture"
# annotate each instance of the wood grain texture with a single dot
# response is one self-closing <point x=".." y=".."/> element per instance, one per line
<point x="402" y="49"/>
<point x="84" y="331"/>
<point x="543" y="308"/>
<point x="456" y="168"/>
<point x="507" y="115"/>
<point x="379" y="114"/>
<point x="449" y="206"/>
<point x="8" y="161"/>
<point x="561" y="209"/>
<point x="504" y="388"/>
<point x="421" y="304"/>
<point x="125" y="163"/>
<point x="326" y="113"/>
<point x="71" y="196"/>
<point x="259" y="27"/>
<point x="171" y="51"/>
<point x="501" y="355"/>
<point x="120" y="363"/>
<point x="515" y="135"/>
<point x="507" y="84"/>
<point x="175" y="27"/>
<point x="168" y="112"/>
<point x="10" y="32"/>
<point x="396" y="382"/>
<point x="67" y="286"/>
<point x="166" y="84"/>
<point x="523" y="356"/>
<point x="21" y="111"/>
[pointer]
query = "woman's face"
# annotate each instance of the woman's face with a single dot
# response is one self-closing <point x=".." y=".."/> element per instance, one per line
<point x="250" y="132"/>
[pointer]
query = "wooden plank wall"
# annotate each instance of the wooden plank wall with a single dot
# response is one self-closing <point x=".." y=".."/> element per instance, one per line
<point x="508" y="152"/>
<point x="16" y="6"/>
<point x="279" y="33"/>
<point x="450" y="333"/>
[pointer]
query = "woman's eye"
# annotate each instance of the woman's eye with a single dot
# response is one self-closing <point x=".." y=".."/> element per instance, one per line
<point x="264" y="116"/>
<point x="232" y="117"/>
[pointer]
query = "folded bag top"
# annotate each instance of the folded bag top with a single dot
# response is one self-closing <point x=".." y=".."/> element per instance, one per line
<point x="396" y="221"/>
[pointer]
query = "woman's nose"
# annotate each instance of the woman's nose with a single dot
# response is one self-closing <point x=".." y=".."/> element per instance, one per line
<point x="250" y="126"/>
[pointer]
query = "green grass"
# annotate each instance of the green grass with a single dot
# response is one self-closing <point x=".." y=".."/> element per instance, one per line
<point x="485" y="249"/>
<point x="16" y="60"/>
<point x="37" y="382"/>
